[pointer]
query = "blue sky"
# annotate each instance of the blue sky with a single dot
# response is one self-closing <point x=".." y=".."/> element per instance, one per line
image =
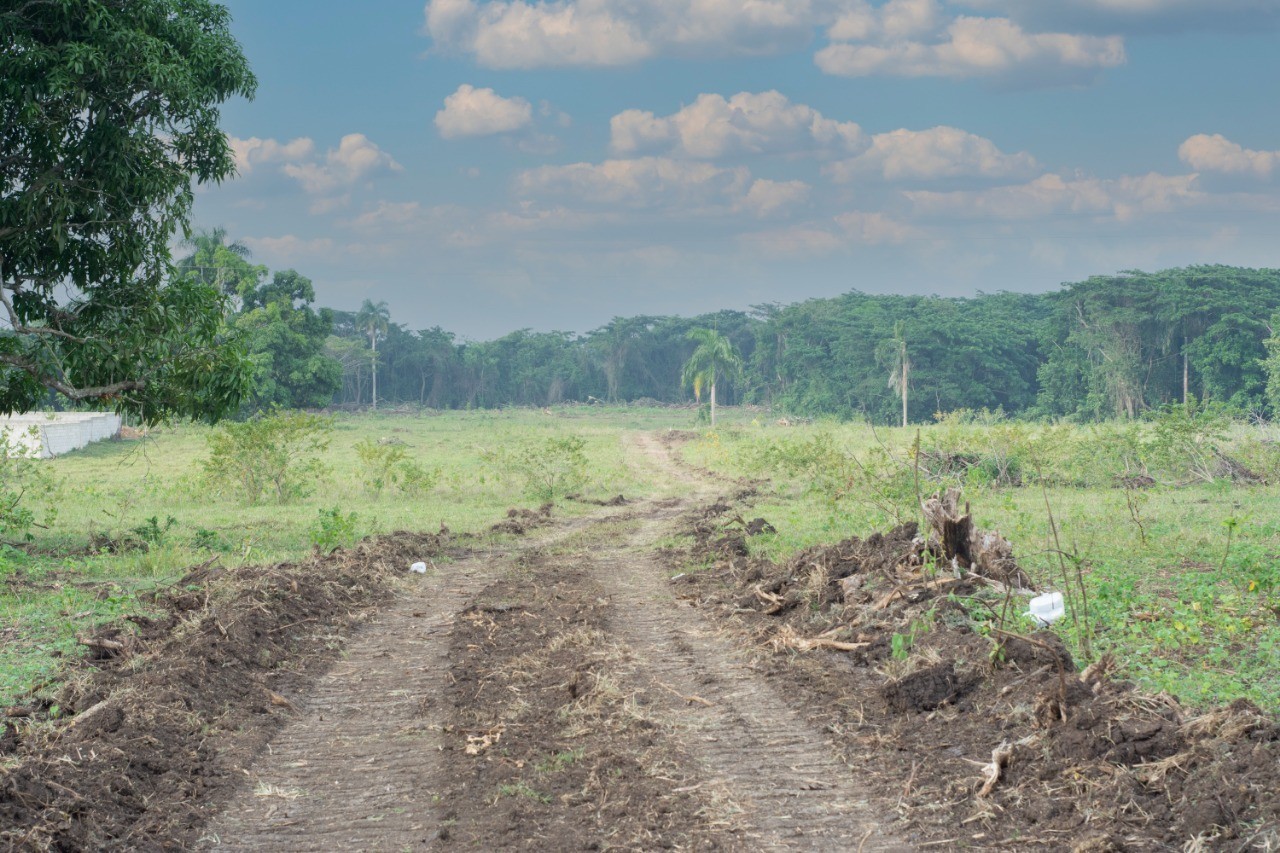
<point x="489" y="166"/>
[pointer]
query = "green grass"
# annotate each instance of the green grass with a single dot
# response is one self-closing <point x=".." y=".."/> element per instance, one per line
<point x="1181" y="611"/>
<point x="57" y="586"/>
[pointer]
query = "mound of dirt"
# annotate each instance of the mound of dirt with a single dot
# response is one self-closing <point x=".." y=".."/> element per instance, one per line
<point x="895" y="645"/>
<point x="521" y="521"/>
<point x="153" y="729"/>
<point x="617" y="500"/>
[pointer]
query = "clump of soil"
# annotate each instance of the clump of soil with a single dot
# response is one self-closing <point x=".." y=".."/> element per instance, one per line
<point x="616" y="500"/>
<point x="895" y="644"/>
<point x="520" y="521"/>
<point x="163" y="712"/>
<point x="925" y="689"/>
<point x="540" y="730"/>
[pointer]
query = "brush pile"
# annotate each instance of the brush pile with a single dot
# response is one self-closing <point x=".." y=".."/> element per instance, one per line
<point x="910" y="648"/>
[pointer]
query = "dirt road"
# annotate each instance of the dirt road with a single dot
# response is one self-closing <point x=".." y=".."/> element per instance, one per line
<point x="559" y="696"/>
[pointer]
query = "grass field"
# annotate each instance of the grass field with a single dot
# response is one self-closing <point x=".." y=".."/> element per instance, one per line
<point x="1182" y="576"/>
<point x="66" y="579"/>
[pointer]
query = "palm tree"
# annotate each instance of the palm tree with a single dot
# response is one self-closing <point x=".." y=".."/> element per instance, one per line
<point x="714" y="358"/>
<point x="220" y="262"/>
<point x="373" y="320"/>
<point x="899" y="367"/>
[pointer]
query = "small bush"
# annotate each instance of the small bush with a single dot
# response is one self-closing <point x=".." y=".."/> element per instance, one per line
<point x="271" y="457"/>
<point x="550" y="469"/>
<point x="23" y="475"/>
<point x="387" y="466"/>
<point x="210" y="540"/>
<point x="1185" y="439"/>
<point x="152" y="533"/>
<point x="416" y="480"/>
<point x="333" y="530"/>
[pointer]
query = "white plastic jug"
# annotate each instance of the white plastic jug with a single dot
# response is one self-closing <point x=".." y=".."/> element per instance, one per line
<point x="1048" y="608"/>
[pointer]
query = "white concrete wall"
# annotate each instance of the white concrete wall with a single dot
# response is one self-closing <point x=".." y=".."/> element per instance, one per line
<point x="56" y="433"/>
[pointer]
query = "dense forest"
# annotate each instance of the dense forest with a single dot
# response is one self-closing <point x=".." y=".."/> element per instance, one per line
<point x="1109" y="346"/>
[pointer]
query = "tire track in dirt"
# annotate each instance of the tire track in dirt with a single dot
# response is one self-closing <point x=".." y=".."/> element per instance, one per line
<point x="358" y="769"/>
<point x="781" y="771"/>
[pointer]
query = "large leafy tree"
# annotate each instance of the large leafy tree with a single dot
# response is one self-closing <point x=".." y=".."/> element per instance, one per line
<point x="109" y="110"/>
<point x="714" y="359"/>
<point x="286" y="339"/>
<point x="373" y="320"/>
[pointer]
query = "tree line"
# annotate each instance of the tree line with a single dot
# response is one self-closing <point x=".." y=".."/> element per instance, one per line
<point x="1105" y="347"/>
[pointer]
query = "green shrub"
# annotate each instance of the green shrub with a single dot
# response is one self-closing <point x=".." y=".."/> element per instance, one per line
<point x="152" y="533"/>
<point x="269" y="457"/>
<point x="23" y="475"/>
<point x="1185" y="440"/>
<point x="210" y="540"/>
<point x="550" y="469"/>
<point x="388" y="467"/>
<point x="378" y="463"/>
<point x="333" y="530"/>
<point x="416" y="480"/>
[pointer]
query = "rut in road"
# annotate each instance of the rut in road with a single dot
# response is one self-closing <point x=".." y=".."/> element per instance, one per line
<point x="358" y="768"/>
<point x="781" y="771"/>
<point x="351" y="772"/>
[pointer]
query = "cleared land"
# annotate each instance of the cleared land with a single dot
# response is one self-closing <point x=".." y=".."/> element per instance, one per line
<point x="664" y="672"/>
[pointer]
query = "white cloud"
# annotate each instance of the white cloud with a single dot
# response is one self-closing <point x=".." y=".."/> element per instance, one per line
<point x="1141" y="16"/>
<point x="1123" y="198"/>
<point x="1216" y="153"/>
<point x="974" y="47"/>
<point x="746" y="123"/>
<point x="355" y="159"/>
<point x="528" y="220"/>
<point x="481" y="112"/>
<point x="874" y="228"/>
<point x="895" y="20"/>
<point x="290" y="247"/>
<point x="940" y="152"/>
<point x="389" y="214"/>
<point x="798" y="240"/>
<point x="765" y="198"/>
<point x="854" y="228"/>
<point x="527" y="34"/>
<point x="643" y="182"/>
<point x="258" y="152"/>
<point x="328" y="204"/>
<point x="903" y="37"/>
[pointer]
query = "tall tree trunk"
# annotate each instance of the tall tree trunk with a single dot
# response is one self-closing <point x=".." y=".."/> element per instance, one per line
<point x="1186" y="371"/>
<point x="713" y="403"/>
<point x="905" y="368"/>
<point x="373" y="365"/>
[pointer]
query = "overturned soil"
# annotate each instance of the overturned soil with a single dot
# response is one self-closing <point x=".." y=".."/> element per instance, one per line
<point x="584" y="688"/>
<point x="990" y="738"/>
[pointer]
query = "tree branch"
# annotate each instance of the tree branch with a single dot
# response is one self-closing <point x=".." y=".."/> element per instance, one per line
<point x="66" y="389"/>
